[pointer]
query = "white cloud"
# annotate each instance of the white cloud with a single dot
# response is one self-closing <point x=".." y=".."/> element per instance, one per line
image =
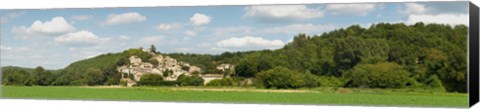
<point x="123" y="37"/>
<point x="58" y="25"/>
<point x="125" y="18"/>
<point x="80" y="38"/>
<point x="200" y="19"/>
<point x="414" y="8"/>
<point x="168" y="27"/>
<point x="451" y="19"/>
<point x="350" y="9"/>
<point x="232" y="30"/>
<point x="301" y="28"/>
<point x="9" y="16"/>
<point x="190" y="33"/>
<point x="249" y="41"/>
<point x="5" y="48"/>
<point x="281" y="13"/>
<point x="82" y="17"/>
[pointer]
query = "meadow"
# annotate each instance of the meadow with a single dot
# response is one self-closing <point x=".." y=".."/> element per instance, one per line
<point x="316" y="96"/>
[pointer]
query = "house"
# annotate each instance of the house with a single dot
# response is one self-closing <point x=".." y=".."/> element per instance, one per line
<point x="224" y="67"/>
<point x="209" y="77"/>
<point x="135" y="61"/>
<point x="137" y="68"/>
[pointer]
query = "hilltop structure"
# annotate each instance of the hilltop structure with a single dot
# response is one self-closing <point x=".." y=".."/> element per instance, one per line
<point x="167" y="67"/>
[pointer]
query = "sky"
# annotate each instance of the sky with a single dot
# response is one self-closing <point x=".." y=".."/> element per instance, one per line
<point x="54" y="38"/>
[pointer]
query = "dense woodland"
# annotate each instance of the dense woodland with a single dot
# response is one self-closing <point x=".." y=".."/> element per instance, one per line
<point x="429" y="56"/>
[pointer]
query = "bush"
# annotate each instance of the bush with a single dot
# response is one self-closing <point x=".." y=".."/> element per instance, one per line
<point x="283" y="78"/>
<point x="158" y="83"/>
<point x="123" y="83"/>
<point x="412" y="83"/>
<point x="151" y="77"/>
<point x="16" y="77"/>
<point x="190" y="80"/>
<point x="434" y="82"/>
<point x="380" y="75"/>
<point x="329" y="81"/>
<point x="222" y="82"/>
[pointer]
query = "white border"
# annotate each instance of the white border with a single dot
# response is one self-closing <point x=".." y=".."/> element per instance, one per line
<point x="48" y="4"/>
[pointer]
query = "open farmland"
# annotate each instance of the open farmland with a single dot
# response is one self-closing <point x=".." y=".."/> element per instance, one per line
<point x="242" y="95"/>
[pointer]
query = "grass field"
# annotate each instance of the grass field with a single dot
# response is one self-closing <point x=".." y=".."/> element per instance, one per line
<point x="241" y="95"/>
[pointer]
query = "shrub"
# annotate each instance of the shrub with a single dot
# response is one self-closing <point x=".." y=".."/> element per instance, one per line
<point x="190" y="80"/>
<point x="222" y="82"/>
<point x="380" y="75"/>
<point x="123" y="83"/>
<point x="16" y="77"/>
<point x="151" y="77"/>
<point x="283" y="78"/>
<point x="434" y="82"/>
<point x="158" y="83"/>
<point x="330" y="81"/>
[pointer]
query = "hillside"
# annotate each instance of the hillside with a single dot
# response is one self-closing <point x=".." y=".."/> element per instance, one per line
<point x="428" y="55"/>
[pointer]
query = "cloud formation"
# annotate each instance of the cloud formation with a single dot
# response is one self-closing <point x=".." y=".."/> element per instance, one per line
<point x="168" y="26"/>
<point x="282" y="13"/>
<point x="80" y="38"/>
<point x="451" y="19"/>
<point x="199" y="19"/>
<point x="301" y="28"/>
<point x="350" y="9"/>
<point x="125" y="18"/>
<point x="414" y="8"/>
<point x="56" y="26"/>
<point x="250" y="41"/>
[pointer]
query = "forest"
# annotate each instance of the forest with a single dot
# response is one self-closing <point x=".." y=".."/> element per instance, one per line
<point x="428" y="56"/>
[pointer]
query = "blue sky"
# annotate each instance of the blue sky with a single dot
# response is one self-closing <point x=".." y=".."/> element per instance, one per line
<point x="53" y="38"/>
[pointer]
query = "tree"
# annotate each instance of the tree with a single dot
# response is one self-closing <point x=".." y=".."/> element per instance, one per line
<point x="190" y="80"/>
<point x="15" y="76"/>
<point x="167" y="73"/>
<point x="94" y="76"/>
<point x="42" y="77"/>
<point x="283" y="78"/>
<point x="153" y="49"/>
<point x="380" y="75"/>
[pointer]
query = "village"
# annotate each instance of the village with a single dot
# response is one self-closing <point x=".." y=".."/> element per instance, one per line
<point x="169" y="68"/>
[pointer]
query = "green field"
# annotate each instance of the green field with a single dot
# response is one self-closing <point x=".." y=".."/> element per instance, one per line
<point x="242" y="95"/>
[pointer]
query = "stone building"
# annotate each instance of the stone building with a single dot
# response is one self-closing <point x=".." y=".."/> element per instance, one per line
<point x="209" y="77"/>
<point x="137" y="68"/>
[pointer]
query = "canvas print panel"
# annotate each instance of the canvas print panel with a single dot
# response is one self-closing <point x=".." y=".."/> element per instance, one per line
<point x="388" y="54"/>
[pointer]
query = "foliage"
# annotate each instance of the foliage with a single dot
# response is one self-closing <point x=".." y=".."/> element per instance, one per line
<point x="283" y="78"/>
<point x="16" y="76"/>
<point x="186" y="68"/>
<point x="330" y="81"/>
<point x="167" y="73"/>
<point x="153" y="49"/>
<point x="94" y="77"/>
<point x="380" y="75"/>
<point x="158" y="83"/>
<point x="222" y="82"/>
<point x="190" y="80"/>
<point x="42" y="77"/>
<point x="151" y="77"/>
